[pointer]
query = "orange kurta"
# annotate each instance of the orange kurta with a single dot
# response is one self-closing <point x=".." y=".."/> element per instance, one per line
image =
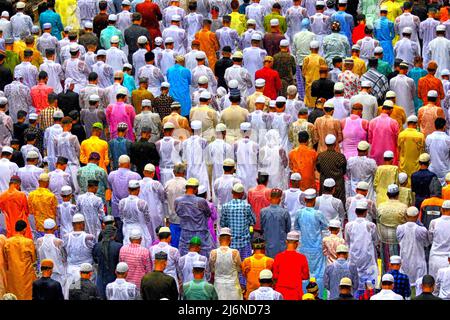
<point x="182" y="129"/>
<point x="427" y="115"/>
<point x="208" y="44"/>
<point x="446" y="192"/>
<point x="427" y="83"/>
<point x="303" y="160"/>
<point x="324" y="126"/>
<point x="251" y="267"/>
<point x="2" y="266"/>
<point x="14" y="205"/>
<point x="42" y="203"/>
<point x="20" y="258"/>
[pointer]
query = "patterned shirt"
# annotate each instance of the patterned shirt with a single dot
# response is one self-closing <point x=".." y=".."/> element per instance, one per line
<point x="352" y="83"/>
<point x="138" y="260"/>
<point x="401" y="283"/>
<point x="46" y="117"/>
<point x="380" y="84"/>
<point x="238" y="216"/>
<point x="161" y="105"/>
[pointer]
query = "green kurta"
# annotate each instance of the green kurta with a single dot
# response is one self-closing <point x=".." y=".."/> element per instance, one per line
<point x="199" y="290"/>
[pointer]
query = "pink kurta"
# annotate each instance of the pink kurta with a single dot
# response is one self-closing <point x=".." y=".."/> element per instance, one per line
<point x="354" y="131"/>
<point x="383" y="134"/>
<point x="120" y="112"/>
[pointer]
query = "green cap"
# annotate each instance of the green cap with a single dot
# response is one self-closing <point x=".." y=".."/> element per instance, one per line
<point x="196" y="241"/>
<point x="98" y="125"/>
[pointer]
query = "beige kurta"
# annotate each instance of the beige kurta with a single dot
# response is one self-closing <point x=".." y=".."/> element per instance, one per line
<point x="232" y="117"/>
<point x="327" y="125"/>
<point x="251" y="99"/>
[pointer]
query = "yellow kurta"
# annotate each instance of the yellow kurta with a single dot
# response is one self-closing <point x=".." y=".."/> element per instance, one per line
<point x="42" y="204"/>
<point x="238" y="22"/>
<point x="359" y="66"/>
<point x="36" y="59"/>
<point x="2" y="266"/>
<point x="394" y="9"/>
<point x="410" y="145"/>
<point x="20" y="257"/>
<point x="310" y="71"/>
<point x="384" y="176"/>
<point x="69" y="12"/>
<point x="94" y="144"/>
<point x="19" y="46"/>
<point x="446" y="192"/>
<point x="406" y="196"/>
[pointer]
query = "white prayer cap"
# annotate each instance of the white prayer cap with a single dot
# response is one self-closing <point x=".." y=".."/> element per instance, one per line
<point x="388" y="154"/>
<point x="265" y="274"/>
<point x="412" y="118"/>
<point x="158" y="41"/>
<point x="392" y="188"/>
<point x="402" y="177"/>
<point x="127" y="66"/>
<point x="115" y="39"/>
<point x="296" y="176"/>
<point x="341" y="248"/>
<point x="221" y="127"/>
<point x="133" y="184"/>
<point x="274" y="22"/>
<point x="78" y="217"/>
<point x="74" y="47"/>
<point x="447" y="177"/>
<point x="126" y="3"/>
<point x="412" y="211"/>
<point x="205" y="95"/>
<point x="122" y="91"/>
<point x="446" y="204"/>
<point x="112" y="17"/>
<point x="440" y="28"/>
<point x="361" y="204"/>
<point x="168" y="125"/>
<point x="225" y="232"/>
<point x="196" y="125"/>
<point x="49" y="224"/>
<point x="259" y="83"/>
<point x="329" y="183"/>
<point x="281" y="99"/>
<point x="233" y="84"/>
<point x="363" y="145"/>
<point x="339" y="86"/>
<point x="86" y="267"/>
<point x="164" y="230"/>
<point x="310" y="193"/>
<point x="238" y="188"/>
<point x="237" y="55"/>
<point x="47" y="26"/>
<point x="201" y="189"/>
<point x="256" y="36"/>
<point x="388" y="103"/>
<point x="3" y="101"/>
<point x="395" y="260"/>
<point x="284" y="43"/>
<point x="432" y="94"/>
<point x="251" y="21"/>
<point x="362" y="185"/>
<point x="58" y="114"/>
<point x="101" y="52"/>
<point x="135" y="234"/>
<point x="320" y="3"/>
<point x="33" y="116"/>
<point x="387" y="277"/>
<point x="334" y="223"/>
<point x="176" y="17"/>
<point x="272" y="104"/>
<point x="5" y="14"/>
<point x="8" y="149"/>
<point x="445" y="72"/>
<point x="378" y="50"/>
<point x="122" y="267"/>
<point x="66" y="190"/>
<point x="200" y="55"/>
<point x="407" y="30"/>
<point x="68" y="28"/>
<point x="149" y="167"/>
<point x="356" y="47"/>
<point x="165" y="85"/>
<point x="260" y="99"/>
<point x="146" y="103"/>
<point x="20" y="5"/>
<point x="228" y="162"/>
<point x="245" y="126"/>
<point x="169" y="40"/>
<point x="199" y="264"/>
<point x="32" y="155"/>
<point x="390" y="94"/>
<point x="293" y="236"/>
<point x="124" y="159"/>
<point x="424" y="157"/>
<point x="330" y="139"/>
<point x="366" y="84"/>
<point x="345" y="282"/>
<point x="342" y="1"/>
<point x="383" y="8"/>
<point x="108" y="218"/>
<point x="314" y="44"/>
<point x="88" y="25"/>
<point x="142" y="40"/>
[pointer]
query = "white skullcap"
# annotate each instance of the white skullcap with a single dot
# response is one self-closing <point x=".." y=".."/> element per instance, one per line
<point x="412" y="118"/>
<point x="388" y="154"/>
<point x="272" y="104"/>
<point x="202" y="189"/>
<point x="44" y="177"/>
<point x="342" y="1"/>
<point x="233" y="84"/>
<point x="362" y="185"/>
<point x="74" y="47"/>
<point x="361" y="204"/>
<point x="392" y="188"/>
<point x="146" y="103"/>
<point x="274" y="22"/>
<point x="293" y="236"/>
<point x="112" y="17"/>
<point x="296" y="176"/>
<point x="402" y="177"/>
<point x="280" y="99"/>
<point x="49" y="224"/>
<point x="390" y="94"/>
<point x="108" y="218"/>
<point x="20" y="5"/>
<point x="142" y="40"/>
<point x="165" y="85"/>
<point x="122" y="267"/>
<point x="124" y="159"/>
<point x="251" y="21"/>
<point x="432" y="94"/>
<point x="387" y="278"/>
<point x="260" y="99"/>
<point x="133" y="184"/>
<point x="329" y="183"/>
<point x="199" y="264"/>
<point x="169" y="40"/>
<point x="115" y="39"/>
<point x="164" y="230"/>
<point x="158" y="41"/>
<point x="447" y="177"/>
<point x="32" y="155"/>
<point x="314" y="44"/>
<point x="205" y="95"/>
<point x="363" y="145"/>
<point x="383" y="8"/>
<point x="320" y="3"/>
<point x="101" y="52"/>
<point x="341" y="248"/>
<point x="168" y="125"/>
<point x="66" y="190"/>
<point x="126" y="3"/>
<point x="88" y="25"/>
<point x="221" y="127"/>
<point x="395" y="260"/>
<point x="5" y="14"/>
<point x="334" y="223"/>
<point x="135" y="234"/>
<point x="225" y="232"/>
<point x="256" y="36"/>
<point x="149" y="167"/>
<point x="424" y="157"/>
<point x="339" y="86"/>
<point x="346" y="282"/>
<point x="202" y="80"/>
<point x="366" y="84"/>
<point x="259" y="83"/>
<point x="412" y="212"/>
<point x="33" y="116"/>
<point x="446" y="204"/>
<point x="8" y="149"/>
<point x="245" y="126"/>
<point x="356" y="47"/>
<point x="200" y="55"/>
<point x="228" y="162"/>
<point x="445" y="72"/>
<point x="330" y="139"/>
<point x="176" y="17"/>
<point x="378" y="50"/>
<point x="310" y="193"/>
<point x="284" y="43"/>
<point x="237" y="54"/>
<point x="127" y="66"/>
<point x="78" y="217"/>
<point x="388" y="103"/>
<point x="47" y="26"/>
<point x="407" y="30"/>
<point x="196" y="125"/>
<point x="265" y="274"/>
<point x="238" y="188"/>
<point x="86" y="267"/>
<point x="440" y="28"/>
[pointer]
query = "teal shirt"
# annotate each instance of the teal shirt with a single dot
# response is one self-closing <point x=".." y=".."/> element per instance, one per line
<point x="199" y="290"/>
<point x="107" y="34"/>
<point x="384" y="67"/>
<point x="415" y="74"/>
<point x="128" y="82"/>
<point x="92" y="171"/>
<point x="50" y="16"/>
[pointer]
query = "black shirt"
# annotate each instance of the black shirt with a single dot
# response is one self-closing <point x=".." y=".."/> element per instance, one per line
<point x="131" y="34"/>
<point x="345" y="297"/>
<point x="68" y="101"/>
<point x="47" y="289"/>
<point x="100" y="22"/>
<point x="5" y="76"/>
<point x="156" y="285"/>
<point x="219" y="69"/>
<point x="142" y="153"/>
<point x="322" y="88"/>
<point x="426" y="296"/>
<point x="83" y="290"/>
<point x="88" y="38"/>
<point x="78" y="130"/>
<point x="392" y="75"/>
<point x="106" y="270"/>
<point x="420" y="11"/>
<point x="315" y="113"/>
<point x="19" y="129"/>
<point x="17" y="158"/>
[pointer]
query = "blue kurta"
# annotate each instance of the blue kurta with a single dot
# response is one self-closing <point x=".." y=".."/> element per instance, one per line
<point x="179" y="78"/>
<point x="347" y="23"/>
<point x="275" y="223"/>
<point x="128" y="82"/>
<point x="50" y="16"/>
<point x="384" y="32"/>
<point x="416" y="73"/>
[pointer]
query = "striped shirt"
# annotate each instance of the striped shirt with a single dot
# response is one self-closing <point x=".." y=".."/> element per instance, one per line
<point x="138" y="261"/>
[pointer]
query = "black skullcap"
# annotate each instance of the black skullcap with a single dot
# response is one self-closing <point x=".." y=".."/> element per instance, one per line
<point x="94" y="156"/>
<point x="161" y="256"/>
<point x="92" y="183"/>
<point x="62" y="160"/>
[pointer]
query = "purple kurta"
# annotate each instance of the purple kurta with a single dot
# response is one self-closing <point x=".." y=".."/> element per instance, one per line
<point x="118" y="181"/>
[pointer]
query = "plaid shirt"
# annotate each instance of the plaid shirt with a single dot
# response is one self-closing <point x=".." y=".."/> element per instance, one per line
<point x="238" y="216"/>
<point x="380" y="84"/>
<point x="46" y="117"/>
<point x="367" y="294"/>
<point x="401" y="284"/>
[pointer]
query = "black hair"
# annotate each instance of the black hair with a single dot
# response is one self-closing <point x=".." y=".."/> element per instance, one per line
<point x="235" y="98"/>
<point x="52" y="97"/>
<point x="92" y="76"/>
<point x="20" y="226"/>
<point x="42" y="75"/>
<point x="149" y="56"/>
<point x="164" y="235"/>
<point x="439" y="123"/>
<point x="262" y="178"/>
<point x="21" y="114"/>
<point x="303" y="136"/>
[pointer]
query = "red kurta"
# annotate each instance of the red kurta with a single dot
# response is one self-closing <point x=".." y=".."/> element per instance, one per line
<point x="289" y="269"/>
<point x="151" y="14"/>
<point x="273" y="81"/>
<point x="358" y="33"/>
<point x="14" y="205"/>
<point x="258" y="198"/>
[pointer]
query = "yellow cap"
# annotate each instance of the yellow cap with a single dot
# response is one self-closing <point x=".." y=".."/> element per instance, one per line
<point x="192" y="182"/>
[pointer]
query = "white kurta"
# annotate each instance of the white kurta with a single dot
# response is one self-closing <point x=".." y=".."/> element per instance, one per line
<point x="193" y="153"/>
<point x="405" y="90"/>
<point x="246" y="152"/>
<point x="439" y="51"/>
<point x="439" y="235"/>
<point x="152" y="191"/>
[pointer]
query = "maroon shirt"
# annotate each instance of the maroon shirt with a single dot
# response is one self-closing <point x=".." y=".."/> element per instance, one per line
<point x="273" y="81"/>
<point x="271" y="42"/>
<point x="151" y="15"/>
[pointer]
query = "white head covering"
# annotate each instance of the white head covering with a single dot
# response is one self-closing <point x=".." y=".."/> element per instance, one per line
<point x="67" y="84"/>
